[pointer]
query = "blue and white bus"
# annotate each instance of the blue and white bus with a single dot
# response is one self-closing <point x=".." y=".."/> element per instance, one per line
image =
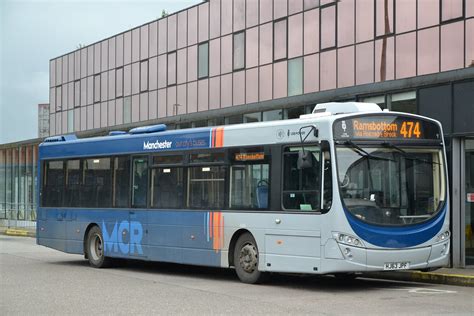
<point x="349" y="188"/>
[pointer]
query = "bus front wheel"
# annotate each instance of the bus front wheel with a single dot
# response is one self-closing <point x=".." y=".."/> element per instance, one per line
<point x="246" y="260"/>
<point x="95" y="248"/>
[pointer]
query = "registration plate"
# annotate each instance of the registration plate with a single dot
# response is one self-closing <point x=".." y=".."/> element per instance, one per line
<point x="396" y="265"/>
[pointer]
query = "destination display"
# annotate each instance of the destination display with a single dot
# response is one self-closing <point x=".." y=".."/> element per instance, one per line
<point x="249" y="156"/>
<point x="385" y="127"/>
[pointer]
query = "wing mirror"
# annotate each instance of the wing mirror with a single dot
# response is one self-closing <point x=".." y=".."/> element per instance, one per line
<point x="305" y="159"/>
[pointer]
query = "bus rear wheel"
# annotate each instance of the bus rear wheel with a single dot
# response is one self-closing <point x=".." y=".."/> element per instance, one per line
<point x="95" y="248"/>
<point x="246" y="258"/>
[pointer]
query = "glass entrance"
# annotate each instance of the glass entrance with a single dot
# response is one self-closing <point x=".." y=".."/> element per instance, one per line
<point x="469" y="200"/>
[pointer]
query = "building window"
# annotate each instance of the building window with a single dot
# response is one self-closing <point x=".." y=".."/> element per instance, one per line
<point x="77" y="93"/>
<point x="451" y="9"/>
<point x="171" y="69"/>
<point x="236" y="119"/>
<point x="379" y="100"/>
<point x="119" y="82"/>
<point x="58" y="98"/>
<point x="403" y="102"/>
<point x="252" y="117"/>
<point x="127" y="110"/>
<point x="203" y="60"/>
<point x="103" y="86"/>
<point x="239" y="51"/>
<point x="97" y="88"/>
<point x="328" y="27"/>
<point x="70" y="121"/>
<point x="273" y="115"/>
<point x="295" y="76"/>
<point x="397" y="102"/>
<point x="280" y="39"/>
<point x="294" y="113"/>
<point x="144" y="76"/>
<point x="309" y="4"/>
<point x="383" y="17"/>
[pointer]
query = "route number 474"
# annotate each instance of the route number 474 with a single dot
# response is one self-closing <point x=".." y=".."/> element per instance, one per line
<point x="410" y="129"/>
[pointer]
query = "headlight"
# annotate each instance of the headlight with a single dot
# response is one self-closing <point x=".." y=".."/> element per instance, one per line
<point x="443" y="237"/>
<point x="348" y="240"/>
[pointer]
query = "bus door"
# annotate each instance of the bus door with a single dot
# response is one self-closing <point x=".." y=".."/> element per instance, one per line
<point x="138" y="213"/>
<point x="294" y="238"/>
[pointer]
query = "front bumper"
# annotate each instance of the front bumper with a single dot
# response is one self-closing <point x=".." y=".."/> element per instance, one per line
<point x="355" y="259"/>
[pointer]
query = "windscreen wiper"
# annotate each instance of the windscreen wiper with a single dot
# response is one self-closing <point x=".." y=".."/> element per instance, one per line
<point x="408" y="155"/>
<point x="362" y="152"/>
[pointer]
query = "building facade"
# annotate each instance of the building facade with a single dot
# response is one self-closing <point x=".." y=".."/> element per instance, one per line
<point x="234" y="61"/>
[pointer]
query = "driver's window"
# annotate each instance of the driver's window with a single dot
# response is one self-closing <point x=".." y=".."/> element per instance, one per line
<point x="249" y="186"/>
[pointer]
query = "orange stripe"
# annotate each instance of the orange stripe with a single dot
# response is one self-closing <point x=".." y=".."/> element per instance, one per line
<point x="219" y="137"/>
<point x="222" y="137"/>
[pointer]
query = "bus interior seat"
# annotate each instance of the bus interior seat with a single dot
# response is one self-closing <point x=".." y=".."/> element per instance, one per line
<point x="262" y="194"/>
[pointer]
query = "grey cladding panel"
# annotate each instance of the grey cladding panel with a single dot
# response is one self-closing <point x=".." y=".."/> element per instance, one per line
<point x="435" y="102"/>
<point x="463" y="108"/>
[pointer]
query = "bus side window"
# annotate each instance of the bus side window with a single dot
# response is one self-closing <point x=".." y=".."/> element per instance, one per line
<point x="72" y="196"/>
<point x="167" y="187"/>
<point x="301" y="187"/>
<point x="97" y="186"/>
<point x="53" y="189"/>
<point x="206" y="180"/>
<point x="249" y="186"/>
<point x="206" y="187"/>
<point x="140" y="182"/>
<point x="121" y="187"/>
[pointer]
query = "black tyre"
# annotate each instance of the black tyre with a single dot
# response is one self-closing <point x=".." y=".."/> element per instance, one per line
<point x="95" y="249"/>
<point x="246" y="259"/>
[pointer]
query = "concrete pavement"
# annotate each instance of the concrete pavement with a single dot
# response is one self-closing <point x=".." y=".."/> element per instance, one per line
<point x="37" y="280"/>
<point x="461" y="277"/>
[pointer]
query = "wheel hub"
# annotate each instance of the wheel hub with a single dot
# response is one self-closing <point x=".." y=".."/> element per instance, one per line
<point x="248" y="258"/>
<point x="96" y="247"/>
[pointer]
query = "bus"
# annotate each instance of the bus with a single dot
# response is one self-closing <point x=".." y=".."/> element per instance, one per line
<point x="348" y="188"/>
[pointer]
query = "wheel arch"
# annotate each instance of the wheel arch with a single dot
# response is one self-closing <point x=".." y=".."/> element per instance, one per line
<point x="84" y="240"/>
<point x="232" y="243"/>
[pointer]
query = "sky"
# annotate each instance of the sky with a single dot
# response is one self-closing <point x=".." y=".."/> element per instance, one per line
<point x="34" y="31"/>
